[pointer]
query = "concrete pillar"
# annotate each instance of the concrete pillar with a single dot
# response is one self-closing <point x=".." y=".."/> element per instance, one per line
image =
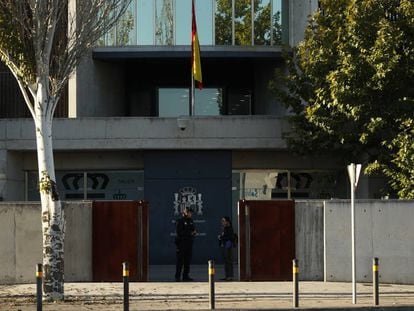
<point x="299" y="12"/>
<point x="3" y="178"/>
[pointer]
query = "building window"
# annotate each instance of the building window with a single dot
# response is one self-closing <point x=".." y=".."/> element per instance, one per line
<point x="124" y="32"/>
<point x="219" y="22"/>
<point x="164" y="22"/>
<point x="239" y="102"/>
<point x="284" y="184"/>
<point x="12" y="103"/>
<point x="145" y="9"/>
<point x="174" y="102"/>
<point x="92" y="185"/>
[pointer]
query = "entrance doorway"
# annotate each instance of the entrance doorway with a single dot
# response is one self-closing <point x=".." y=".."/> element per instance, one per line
<point x="174" y="180"/>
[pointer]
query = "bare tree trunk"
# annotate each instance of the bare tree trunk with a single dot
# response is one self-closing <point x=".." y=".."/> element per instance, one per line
<point x="53" y="226"/>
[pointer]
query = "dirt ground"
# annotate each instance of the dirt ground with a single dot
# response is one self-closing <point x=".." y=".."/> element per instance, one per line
<point x="195" y="296"/>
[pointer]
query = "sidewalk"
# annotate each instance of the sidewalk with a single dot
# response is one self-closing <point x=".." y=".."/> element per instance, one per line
<point x="194" y="296"/>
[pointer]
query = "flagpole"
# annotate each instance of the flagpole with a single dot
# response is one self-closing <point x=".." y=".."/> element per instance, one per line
<point x="192" y="95"/>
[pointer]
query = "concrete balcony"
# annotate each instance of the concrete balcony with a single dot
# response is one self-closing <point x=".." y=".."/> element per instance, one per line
<point x="229" y="132"/>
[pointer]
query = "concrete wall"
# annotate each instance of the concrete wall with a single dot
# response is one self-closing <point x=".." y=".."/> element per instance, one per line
<point x="91" y="134"/>
<point x="323" y="245"/>
<point x="21" y="241"/>
<point x="309" y="239"/>
<point x="97" y="90"/>
<point x="383" y="229"/>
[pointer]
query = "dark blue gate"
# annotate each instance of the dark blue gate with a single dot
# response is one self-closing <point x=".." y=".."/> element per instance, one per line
<point x="175" y="179"/>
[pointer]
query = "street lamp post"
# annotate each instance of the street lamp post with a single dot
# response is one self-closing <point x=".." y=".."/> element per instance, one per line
<point x="353" y="172"/>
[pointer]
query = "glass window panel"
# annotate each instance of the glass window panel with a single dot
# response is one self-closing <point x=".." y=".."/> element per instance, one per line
<point x="284" y="21"/>
<point x="183" y="21"/>
<point x="239" y="102"/>
<point x="262" y="22"/>
<point x="278" y="10"/>
<point x="223" y="22"/>
<point x="308" y="184"/>
<point x="204" y="14"/>
<point x="115" y="185"/>
<point x="145" y="22"/>
<point x="125" y="28"/>
<point x="277" y="184"/>
<point x="100" y="185"/>
<point x="174" y="102"/>
<point x="208" y="102"/>
<point x="33" y="186"/>
<point x="243" y="22"/>
<point x="110" y="37"/>
<point x="257" y="185"/>
<point x="164" y="22"/>
<point x="183" y="25"/>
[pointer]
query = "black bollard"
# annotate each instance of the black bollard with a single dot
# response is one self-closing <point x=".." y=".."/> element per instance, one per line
<point x="125" y="276"/>
<point x="39" y="281"/>
<point x="211" y="272"/>
<point x="375" y="280"/>
<point x="295" y="270"/>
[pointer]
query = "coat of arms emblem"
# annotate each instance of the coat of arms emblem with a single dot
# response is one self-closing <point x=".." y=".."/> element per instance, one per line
<point x="187" y="197"/>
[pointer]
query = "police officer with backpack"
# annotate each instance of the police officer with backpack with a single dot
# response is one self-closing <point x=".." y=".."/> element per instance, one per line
<point x="227" y="242"/>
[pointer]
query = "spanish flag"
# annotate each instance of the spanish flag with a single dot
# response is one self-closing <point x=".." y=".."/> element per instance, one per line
<point x="195" y="52"/>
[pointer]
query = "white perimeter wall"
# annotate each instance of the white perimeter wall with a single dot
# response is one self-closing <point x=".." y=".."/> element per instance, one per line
<point x="21" y="242"/>
<point x="383" y="228"/>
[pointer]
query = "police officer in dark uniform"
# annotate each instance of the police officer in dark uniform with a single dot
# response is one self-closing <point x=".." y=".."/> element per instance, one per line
<point x="184" y="242"/>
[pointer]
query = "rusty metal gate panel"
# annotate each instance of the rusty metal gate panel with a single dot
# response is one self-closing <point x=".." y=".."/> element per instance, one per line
<point x="119" y="233"/>
<point x="266" y="240"/>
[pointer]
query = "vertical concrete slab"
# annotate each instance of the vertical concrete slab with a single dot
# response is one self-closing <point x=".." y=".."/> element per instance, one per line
<point x="393" y="244"/>
<point x="309" y="239"/>
<point x="3" y="170"/>
<point x="78" y="242"/>
<point x="7" y="247"/>
<point x="21" y="242"/>
<point x="383" y="229"/>
<point x="364" y="242"/>
<point x="28" y="241"/>
<point x="337" y="241"/>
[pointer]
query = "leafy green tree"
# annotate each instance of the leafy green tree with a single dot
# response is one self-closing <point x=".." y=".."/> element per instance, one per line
<point x="243" y="23"/>
<point x="350" y="90"/>
<point x="42" y="42"/>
